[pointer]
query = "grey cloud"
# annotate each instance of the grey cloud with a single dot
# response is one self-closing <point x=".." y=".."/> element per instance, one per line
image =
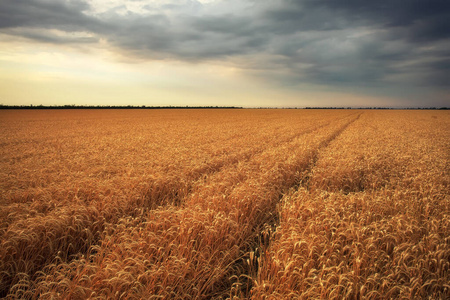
<point x="53" y="38"/>
<point x="66" y="15"/>
<point x="396" y="33"/>
<point x="335" y="58"/>
<point x="227" y="24"/>
<point x="334" y="43"/>
<point x="187" y="6"/>
<point x="422" y="20"/>
<point x="290" y="19"/>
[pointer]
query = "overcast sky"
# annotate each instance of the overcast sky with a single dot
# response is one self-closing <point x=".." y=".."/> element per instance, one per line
<point x="225" y="52"/>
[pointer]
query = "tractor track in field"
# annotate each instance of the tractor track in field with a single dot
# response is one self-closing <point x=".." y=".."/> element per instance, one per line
<point x="177" y="198"/>
<point x="306" y="181"/>
<point x="249" y="262"/>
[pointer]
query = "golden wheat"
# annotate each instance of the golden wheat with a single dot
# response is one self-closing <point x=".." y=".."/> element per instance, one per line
<point x="200" y="204"/>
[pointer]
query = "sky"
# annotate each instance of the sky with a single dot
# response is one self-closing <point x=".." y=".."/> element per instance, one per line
<point x="253" y="53"/>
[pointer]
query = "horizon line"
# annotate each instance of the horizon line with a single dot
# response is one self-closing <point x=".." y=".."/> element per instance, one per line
<point x="73" y="106"/>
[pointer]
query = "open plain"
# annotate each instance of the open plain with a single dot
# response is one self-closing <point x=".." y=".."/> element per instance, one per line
<point x="215" y="204"/>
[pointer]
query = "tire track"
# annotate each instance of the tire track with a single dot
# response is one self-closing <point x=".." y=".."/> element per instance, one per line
<point x="306" y="180"/>
<point x="249" y="262"/>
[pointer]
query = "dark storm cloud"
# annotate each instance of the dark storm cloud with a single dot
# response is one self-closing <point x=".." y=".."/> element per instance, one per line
<point x="326" y="42"/>
<point x="65" y="15"/>
<point x="422" y="20"/>
<point x="391" y="36"/>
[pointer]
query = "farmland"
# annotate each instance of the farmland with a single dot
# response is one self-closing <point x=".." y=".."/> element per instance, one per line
<point x="215" y="204"/>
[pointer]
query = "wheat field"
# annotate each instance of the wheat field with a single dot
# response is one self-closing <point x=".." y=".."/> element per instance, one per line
<point x="224" y="204"/>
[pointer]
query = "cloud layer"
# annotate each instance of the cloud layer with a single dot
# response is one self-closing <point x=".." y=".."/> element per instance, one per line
<point x="361" y="44"/>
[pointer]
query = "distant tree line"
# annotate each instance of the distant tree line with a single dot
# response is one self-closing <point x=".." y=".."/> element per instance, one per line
<point x="349" y="107"/>
<point x="2" y="106"/>
<point x="110" y="107"/>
